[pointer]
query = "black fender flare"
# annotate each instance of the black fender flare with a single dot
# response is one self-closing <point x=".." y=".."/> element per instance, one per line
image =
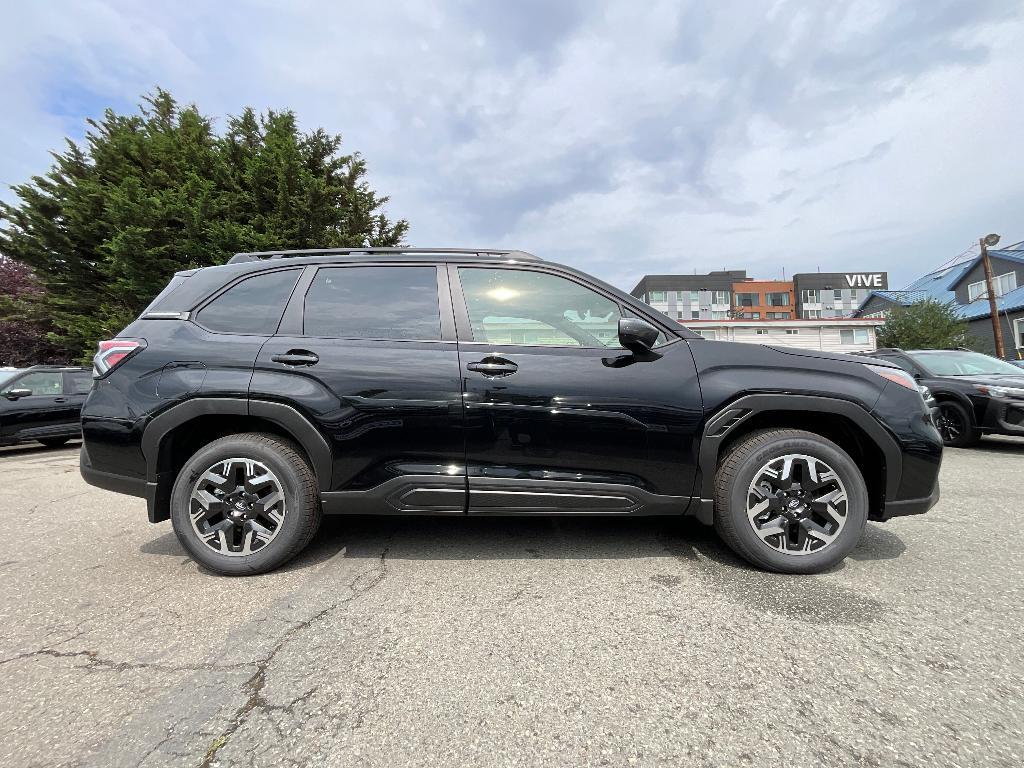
<point x="959" y="398"/>
<point x="286" y="417"/>
<point x="720" y="425"/>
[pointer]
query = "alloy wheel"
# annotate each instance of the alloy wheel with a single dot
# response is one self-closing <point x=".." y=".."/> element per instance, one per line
<point x="237" y="507"/>
<point x="951" y="424"/>
<point x="797" y="504"/>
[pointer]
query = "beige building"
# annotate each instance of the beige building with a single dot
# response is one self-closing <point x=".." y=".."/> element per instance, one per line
<point x="830" y="335"/>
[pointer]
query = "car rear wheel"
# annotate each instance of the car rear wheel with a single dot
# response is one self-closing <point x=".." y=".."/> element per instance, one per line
<point x="245" y="504"/>
<point x="790" y="501"/>
<point x="955" y="425"/>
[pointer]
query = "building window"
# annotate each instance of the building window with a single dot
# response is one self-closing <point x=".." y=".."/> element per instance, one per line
<point x="716" y="315"/>
<point x="694" y="297"/>
<point x="792" y="331"/>
<point x="709" y="334"/>
<point x="695" y="314"/>
<point x="721" y="297"/>
<point x="657" y="296"/>
<point x="778" y="315"/>
<point x="1000" y="285"/>
<point x="812" y="314"/>
<point x="810" y="296"/>
<point x="761" y="331"/>
<point x="779" y="299"/>
<point x="854" y="336"/>
<point x="837" y="294"/>
<point x="746" y="300"/>
<point x="750" y="315"/>
<point x="679" y="315"/>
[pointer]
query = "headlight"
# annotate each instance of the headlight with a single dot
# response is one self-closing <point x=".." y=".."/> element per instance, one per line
<point x="895" y="375"/>
<point x="997" y="391"/>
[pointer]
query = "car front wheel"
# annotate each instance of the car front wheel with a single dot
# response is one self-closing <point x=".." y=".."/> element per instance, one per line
<point x="790" y="501"/>
<point x="954" y="424"/>
<point x="245" y="504"/>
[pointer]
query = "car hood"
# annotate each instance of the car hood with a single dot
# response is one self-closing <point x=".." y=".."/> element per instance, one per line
<point x="992" y="380"/>
<point x="800" y="352"/>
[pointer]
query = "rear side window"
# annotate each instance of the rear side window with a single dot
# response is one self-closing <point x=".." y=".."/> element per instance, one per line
<point x="252" y="306"/>
<point x="78" y="383"/>
<point x="373" y="303"/>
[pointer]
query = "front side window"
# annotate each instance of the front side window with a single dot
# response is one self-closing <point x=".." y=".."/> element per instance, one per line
<point x="511" y="306"/>
<point x="388" y="303"/>
<point x="254" y="305"/>
<point x="41" y="383"/>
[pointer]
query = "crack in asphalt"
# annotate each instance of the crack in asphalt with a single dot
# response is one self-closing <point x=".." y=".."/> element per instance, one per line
<point x="96" y="662"/>
<point x="254" y="685"/>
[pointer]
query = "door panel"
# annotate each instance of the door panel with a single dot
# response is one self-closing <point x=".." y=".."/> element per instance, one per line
<point x="45" y="412"/>
<point x="553" y="427"/>
<point x="391" y="408"/>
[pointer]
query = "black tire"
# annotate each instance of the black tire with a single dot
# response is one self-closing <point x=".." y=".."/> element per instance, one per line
<point x="298" y="485"/>
<point x="737" y="472"/>
<point x="53" y="442"/>
<point x="956" y="425"/>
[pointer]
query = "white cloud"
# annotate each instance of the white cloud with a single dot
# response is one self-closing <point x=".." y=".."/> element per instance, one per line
<point x="622" y="139"/>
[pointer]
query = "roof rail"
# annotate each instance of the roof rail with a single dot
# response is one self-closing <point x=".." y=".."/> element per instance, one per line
<point x="483" y="252"/>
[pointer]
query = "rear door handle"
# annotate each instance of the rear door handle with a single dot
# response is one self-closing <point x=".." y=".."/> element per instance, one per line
<point x="61" y="400"/>
<point x="297" y="357"/>
<point x="493" y="366"/>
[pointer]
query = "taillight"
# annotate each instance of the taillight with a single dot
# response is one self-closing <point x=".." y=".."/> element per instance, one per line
<point x="114" y="352"/>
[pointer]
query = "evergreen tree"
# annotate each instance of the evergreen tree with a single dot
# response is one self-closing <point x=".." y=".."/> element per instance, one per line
<point x="146" y="195"/>
<point x="926" y="324"/>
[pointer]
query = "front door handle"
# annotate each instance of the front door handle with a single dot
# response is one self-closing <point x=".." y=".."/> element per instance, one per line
<point x="297" y="357"/>
<point x="61" y="400"/>
<point x="493" y="366"/>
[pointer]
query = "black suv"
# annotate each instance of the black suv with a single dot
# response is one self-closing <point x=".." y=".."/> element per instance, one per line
<point x="976" y="394"/>
<point x="42" y="403"/>
<point x="250" y="398"/>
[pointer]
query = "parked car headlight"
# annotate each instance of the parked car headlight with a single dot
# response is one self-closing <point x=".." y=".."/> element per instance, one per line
<point x="997" y="391"/>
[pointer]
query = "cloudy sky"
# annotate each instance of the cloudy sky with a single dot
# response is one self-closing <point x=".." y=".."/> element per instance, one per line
<point x="621" y="138"/>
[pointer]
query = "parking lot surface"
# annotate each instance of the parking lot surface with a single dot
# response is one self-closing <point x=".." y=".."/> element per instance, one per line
<point x="509" y="641"/>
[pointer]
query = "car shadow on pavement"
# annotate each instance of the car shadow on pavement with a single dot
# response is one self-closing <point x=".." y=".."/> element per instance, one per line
<point x="998" y="445"/>
<point x="529" y="538"/>
<point x="27" y="449"/>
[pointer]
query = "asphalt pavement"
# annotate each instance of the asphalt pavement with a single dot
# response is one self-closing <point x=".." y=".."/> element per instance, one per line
<point x="509" y="641"/>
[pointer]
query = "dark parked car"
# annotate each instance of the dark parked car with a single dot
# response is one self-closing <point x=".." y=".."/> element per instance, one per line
<point x="42" y="403"/>
<point x="976" y="394"/>
<point x="252" y="397"/>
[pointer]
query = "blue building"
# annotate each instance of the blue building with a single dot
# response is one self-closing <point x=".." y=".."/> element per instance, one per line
<point x="963" y="284"/>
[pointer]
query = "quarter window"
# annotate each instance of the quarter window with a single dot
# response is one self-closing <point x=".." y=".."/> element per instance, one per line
<point x="398" y="303"/>
<point x="510" y="306"/>
<point x="252" y="306"/>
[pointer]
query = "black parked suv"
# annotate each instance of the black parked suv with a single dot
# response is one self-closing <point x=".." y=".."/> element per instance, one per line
<point x="976" y="394"/>
<point x="42" y="403"/>
<point x="252" y="397"/>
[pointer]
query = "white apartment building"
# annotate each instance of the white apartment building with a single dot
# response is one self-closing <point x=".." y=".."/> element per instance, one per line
<point x="828" y="335"/>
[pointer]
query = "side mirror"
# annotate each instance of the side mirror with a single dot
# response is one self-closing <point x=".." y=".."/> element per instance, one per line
<point x="637" y="335"/>
<point x="16" y="394"/>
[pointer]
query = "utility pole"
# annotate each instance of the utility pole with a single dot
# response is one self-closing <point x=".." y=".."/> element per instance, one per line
<point x="997" y="328"/>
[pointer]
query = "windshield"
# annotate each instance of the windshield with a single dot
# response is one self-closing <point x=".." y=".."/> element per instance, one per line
<point x="958" y="363"/>
<point x="7" y="374"/>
